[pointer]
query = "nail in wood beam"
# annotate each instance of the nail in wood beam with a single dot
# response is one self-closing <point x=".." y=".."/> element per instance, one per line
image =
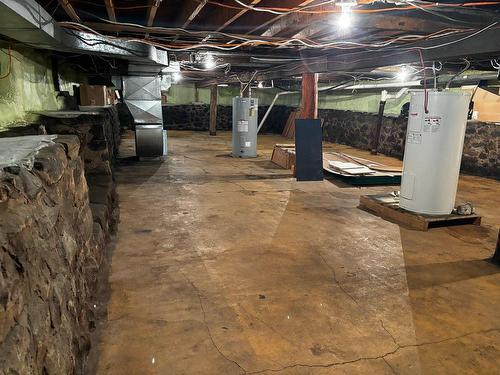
<point x="70" y="11"/>
<point x="309" y="108"/>
<point x="213" y="110"/>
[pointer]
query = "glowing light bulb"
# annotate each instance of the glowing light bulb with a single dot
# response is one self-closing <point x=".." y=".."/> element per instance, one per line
<point x="176" y="77"/>
<point x="260" y="85"/>
<point x="210" y="62"/>
<point x="345" y="19"/>
<point x="403" y="74"/>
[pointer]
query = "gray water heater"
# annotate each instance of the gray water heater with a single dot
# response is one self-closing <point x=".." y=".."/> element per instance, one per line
<point x="245" y="112"/>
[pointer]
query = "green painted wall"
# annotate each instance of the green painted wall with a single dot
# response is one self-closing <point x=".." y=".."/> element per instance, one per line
<point x="28" y="86"/>
<point x="360" y="102"/>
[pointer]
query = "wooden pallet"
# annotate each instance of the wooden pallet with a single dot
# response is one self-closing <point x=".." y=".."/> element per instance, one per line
<point x="387" y="207"/>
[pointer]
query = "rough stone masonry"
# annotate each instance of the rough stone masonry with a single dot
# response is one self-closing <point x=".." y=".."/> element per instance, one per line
<point x="49" y="260"/>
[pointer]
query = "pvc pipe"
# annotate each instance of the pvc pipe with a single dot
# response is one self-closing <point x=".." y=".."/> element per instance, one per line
<point x="272" y="105"/>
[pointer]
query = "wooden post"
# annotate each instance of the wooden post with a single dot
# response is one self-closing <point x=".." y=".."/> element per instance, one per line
<point x="378" y="129"/>
<point x="309" y="108"/>
<point x="213" y="110"/>
<point x="196" y="95"/>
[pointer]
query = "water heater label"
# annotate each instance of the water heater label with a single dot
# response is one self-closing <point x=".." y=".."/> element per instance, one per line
<point x="414" y="137"/>
<point x="243" y="126"/>
<point x="248" y="144"/>
<point x="432" y="124"/>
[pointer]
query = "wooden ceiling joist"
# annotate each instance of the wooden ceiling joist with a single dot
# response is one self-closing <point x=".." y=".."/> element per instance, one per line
<point x="226" y="19"/>
<point x="70" y="11"/>
<point x="152" y="12"/>
<point x="445" y="48"/>
<point x="190" y="11"/>
<point x="110" y="8"/>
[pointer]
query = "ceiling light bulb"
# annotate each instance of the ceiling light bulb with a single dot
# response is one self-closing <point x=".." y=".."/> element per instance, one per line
<point x="403" y="74"/>
<point x="209" y="62"/>
<point x="345" y="19"/>
<point x="260" y="85"/>
<point x="176" y="77"/>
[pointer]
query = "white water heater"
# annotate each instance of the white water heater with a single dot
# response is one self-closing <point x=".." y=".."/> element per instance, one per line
<point x="245" y="112"/>
<point x="433" y="152"/>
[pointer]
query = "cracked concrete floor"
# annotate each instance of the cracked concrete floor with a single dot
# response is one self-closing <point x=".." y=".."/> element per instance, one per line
<point x="229" y="266"/>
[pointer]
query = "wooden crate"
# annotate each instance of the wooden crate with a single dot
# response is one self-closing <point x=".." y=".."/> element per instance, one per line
<point x="387" y="207"/>
<point x="284" y="156"/>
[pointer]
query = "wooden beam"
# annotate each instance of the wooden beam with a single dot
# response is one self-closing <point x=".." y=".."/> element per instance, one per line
<point x="213" y="110"/>
<point x="70" y="11"/>
<point x="309" y="106"/>
<point x="110" y="8"/>
<point x="152" y="12"/>
<point x="190" y="11"/>
<point x="232" y="16"/>
<point x="257" y="18"/>
<point x="446" y="48"/>
<point x="108" y="27"/>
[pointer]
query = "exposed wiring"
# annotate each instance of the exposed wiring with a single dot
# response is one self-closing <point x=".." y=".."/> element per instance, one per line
<point x="426" y="94"/>
<point x="283" y="12"/>
<point x="338" y="10"/>
<point x="467" y="66"/>
<point x="278" y="43"/>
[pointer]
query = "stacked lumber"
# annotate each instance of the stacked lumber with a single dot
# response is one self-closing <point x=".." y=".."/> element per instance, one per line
<point x="289" y="129"/>
<point x="342" y="163"/>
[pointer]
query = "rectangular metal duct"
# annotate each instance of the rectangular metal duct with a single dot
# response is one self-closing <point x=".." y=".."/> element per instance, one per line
<point x="27" y="22"/>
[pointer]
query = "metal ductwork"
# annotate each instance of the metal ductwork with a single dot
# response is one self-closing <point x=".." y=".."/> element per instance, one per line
<point x="27" y="22"/>
<point x="142" y="94"/>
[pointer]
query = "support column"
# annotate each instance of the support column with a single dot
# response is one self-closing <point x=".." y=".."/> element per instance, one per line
<point x="196" y="94"/>
<point x="378" y="129"/>
<point x="213" y="110"/>
<point x="309" y="107"/>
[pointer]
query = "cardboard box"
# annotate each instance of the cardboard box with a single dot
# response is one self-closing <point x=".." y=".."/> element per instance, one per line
<point x="487" y="105"/>
<point x="284" y="156"/>
<point x="93" y="95"/>
<point x="111" y="97"/>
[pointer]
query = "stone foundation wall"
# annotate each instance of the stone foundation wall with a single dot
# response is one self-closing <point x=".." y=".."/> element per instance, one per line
<point x="481" y="145"/>
<point x="51" y="326"/>
<point x="197" y="117"/>
<point x="99" y="137"/>
<point x="49" y="258"/>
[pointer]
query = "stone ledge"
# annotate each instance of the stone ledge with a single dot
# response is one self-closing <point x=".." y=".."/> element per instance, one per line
<point x="49" y="263"/>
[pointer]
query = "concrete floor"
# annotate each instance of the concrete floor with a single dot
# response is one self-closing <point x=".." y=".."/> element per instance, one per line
<point x="229" y="266"/>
